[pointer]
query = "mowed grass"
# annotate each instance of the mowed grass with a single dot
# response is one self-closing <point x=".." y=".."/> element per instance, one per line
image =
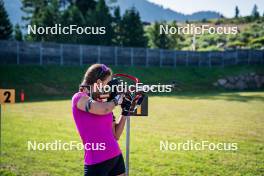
<point x="225" y="117"/>
<point x="53" y="82"/>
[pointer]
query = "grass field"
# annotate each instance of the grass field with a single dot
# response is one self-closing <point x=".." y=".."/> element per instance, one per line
<point x="219" y="117"/>
<point x="51" y="82"/>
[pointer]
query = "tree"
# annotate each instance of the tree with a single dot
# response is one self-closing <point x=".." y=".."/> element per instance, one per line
<point x="132" y="31"/>
<point x="101" y="17"/>
<point x="117" y="27"/>
<point x="5" y="25"/>
<point x="175" y="38"/>
<point x="18" y="33"/>
<point x="85" y="5"/>
<point x="157" y="39"/>
<point x="49" y="16"/>
<point x="74" y="16"/>
<point x="41" y="13"/>
<point x="32" y="8"/>
<point x="255" y="13"/>
<point x="236" y="12"/>
<point x="204" y="20"/>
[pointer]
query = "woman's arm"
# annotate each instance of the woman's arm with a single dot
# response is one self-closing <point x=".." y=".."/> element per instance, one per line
<point x="119" y="127"/>
<point x="100" y="108"/>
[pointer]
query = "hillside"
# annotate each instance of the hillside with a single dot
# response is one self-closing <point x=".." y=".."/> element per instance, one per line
<point x="149" y="12"/>
<point x="250" y="35"/>
<point x="50" y="82"/>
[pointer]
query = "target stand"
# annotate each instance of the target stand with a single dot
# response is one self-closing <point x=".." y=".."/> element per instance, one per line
<point x="140" y="109"/>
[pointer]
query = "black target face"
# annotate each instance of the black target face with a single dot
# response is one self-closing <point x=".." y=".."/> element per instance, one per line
<point x="140" y="101"/>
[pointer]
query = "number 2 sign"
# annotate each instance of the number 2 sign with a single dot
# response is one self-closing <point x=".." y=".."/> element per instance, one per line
<point x="7" y="96"/>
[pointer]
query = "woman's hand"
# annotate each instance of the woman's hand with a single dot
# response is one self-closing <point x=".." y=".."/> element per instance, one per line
<point x="118" y="99"/>
<point x="126" y="104"/>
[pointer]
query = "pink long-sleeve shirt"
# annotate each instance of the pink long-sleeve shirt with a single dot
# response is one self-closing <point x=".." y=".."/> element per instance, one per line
<point x="96" y="133"/>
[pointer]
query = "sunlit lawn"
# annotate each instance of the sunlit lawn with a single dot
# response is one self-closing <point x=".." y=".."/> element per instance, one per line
<point x="231" y="118"/>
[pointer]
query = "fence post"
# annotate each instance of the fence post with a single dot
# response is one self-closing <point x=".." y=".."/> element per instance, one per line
<point x="199" y="54"/>
<point x="147" y="57"/>
<point x="249" y="56"/>
<point x="187" y="58"/>
<point x="17" y="51"/>
<point x="262" y="60"/>
<point x="116" y="55"/>
<point x="236" y="56"/>
<point x="81" y="55"/>
<point x="132" y="56"/>
<point x="40" y="54"/>
<point x="61" y="54"/>
<point x="223" y="59"/>
<point x="99" y="54"/>
<point x="160" y="57"/>
<point x="175" y="59"/>
<point x="210" y="59"/>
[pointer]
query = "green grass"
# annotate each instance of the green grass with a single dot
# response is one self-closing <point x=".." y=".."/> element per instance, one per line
<point x="198" y="112"/>
<point x="220" y="117"/>
<point x="51" y="82"/>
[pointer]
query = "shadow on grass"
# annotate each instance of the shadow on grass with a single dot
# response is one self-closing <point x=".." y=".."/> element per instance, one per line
<point x="242" y="96"/>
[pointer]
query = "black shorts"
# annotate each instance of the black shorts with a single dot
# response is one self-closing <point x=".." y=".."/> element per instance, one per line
<point x="111" y="167"/>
